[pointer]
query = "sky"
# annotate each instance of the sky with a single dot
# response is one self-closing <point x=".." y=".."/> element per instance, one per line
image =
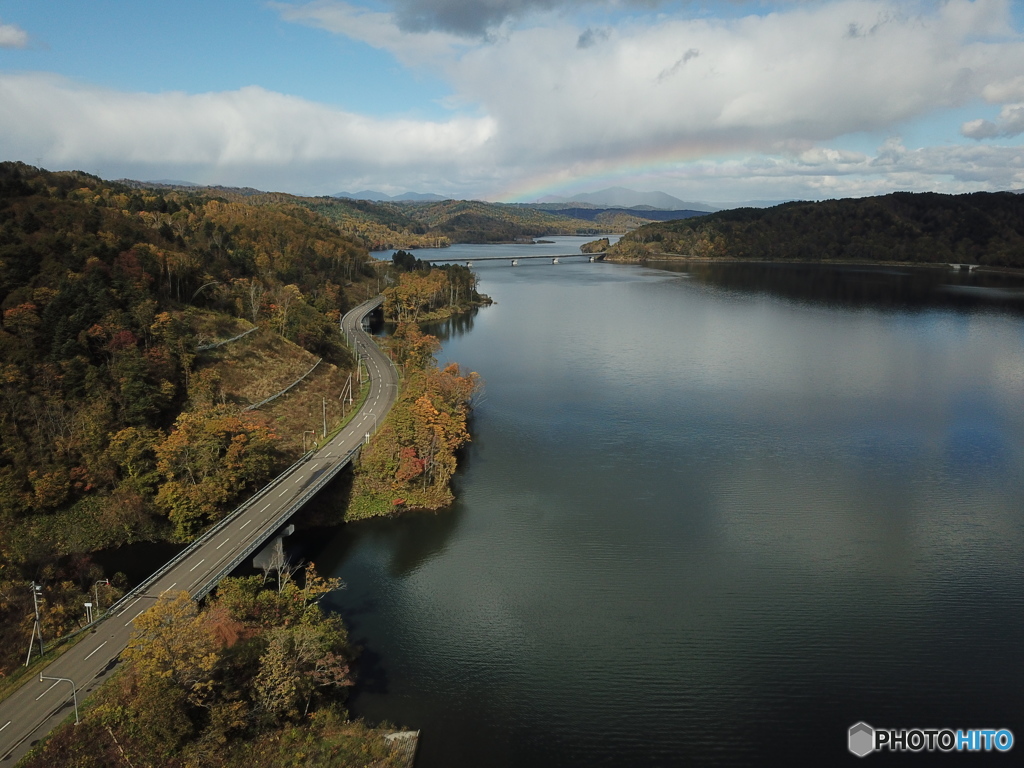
<point x="515" y="100"/>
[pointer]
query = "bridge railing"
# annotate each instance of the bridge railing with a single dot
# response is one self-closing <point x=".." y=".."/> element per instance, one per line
<point x="141" y="588"/>
<point x="271" y="528"/>
<point x="205" y="537"/>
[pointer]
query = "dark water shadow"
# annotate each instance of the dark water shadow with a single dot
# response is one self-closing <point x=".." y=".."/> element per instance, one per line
<point x="136" y="561"/>
<point x="881" y="287"/>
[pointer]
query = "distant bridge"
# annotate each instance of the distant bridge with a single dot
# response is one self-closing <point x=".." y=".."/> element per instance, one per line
<point x="554" y="258"/>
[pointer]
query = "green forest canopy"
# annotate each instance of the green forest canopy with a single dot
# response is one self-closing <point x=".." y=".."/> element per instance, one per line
<point x="979" y="228"/>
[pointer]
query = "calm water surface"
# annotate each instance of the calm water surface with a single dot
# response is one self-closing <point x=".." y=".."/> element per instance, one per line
<point x="713" y="516"/>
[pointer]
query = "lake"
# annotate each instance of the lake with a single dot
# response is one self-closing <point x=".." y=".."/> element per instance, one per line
<point x="711" y="515"/>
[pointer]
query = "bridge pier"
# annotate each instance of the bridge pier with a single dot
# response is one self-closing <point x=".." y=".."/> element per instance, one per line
<point x="271" y="557"/>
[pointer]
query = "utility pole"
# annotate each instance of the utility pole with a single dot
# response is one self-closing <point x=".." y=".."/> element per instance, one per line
<point x="36" y="627"/>
<point x="346" y="394"/>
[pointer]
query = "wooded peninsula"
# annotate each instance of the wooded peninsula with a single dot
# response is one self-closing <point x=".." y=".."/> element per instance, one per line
<point x="922" y="228"/>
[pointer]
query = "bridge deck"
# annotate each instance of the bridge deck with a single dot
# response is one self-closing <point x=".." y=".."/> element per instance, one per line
<point x="517" y="256"/>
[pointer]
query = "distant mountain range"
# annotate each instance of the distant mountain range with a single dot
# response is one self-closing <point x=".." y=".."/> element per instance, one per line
<point x="380" y="197"/>
<point x="620" y="197"/>
<point x="611" y="198"/>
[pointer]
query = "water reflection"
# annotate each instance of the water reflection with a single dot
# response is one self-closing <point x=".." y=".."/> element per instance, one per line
<point x="705" y="513"/>
<point x="452" y="327"/>
<point x="864" y="286"/>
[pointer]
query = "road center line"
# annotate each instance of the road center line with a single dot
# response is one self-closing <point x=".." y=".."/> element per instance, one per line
<point x="197" y="565"/>
<point x="46" y="691"/>
<point x="133" y="618"/>
<point x="170" y="587"/>
<point x="224" y="542"/>
<point x="6" y="724"/>
<point x="92" y="652"/>
<point x="246" y="523"/>
<point x="282" y="493"/>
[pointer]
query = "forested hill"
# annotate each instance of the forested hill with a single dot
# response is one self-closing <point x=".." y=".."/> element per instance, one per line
<point x="381" y="226"/>
<point x="979" y="228"/>
<point x="114" y="424"/>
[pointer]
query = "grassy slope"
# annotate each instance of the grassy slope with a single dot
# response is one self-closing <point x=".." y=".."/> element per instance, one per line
<point x="264" y="363"/>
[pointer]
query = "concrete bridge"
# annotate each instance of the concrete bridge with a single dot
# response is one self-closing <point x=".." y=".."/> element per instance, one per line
<point x="515" y="259"/>
<point x="33" y="710"/>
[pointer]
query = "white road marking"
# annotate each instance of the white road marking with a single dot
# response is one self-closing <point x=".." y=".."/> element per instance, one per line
<point x="6" y="724"/>
<point x="197" y="565"/>
<point x="224" y="542"/>
<point x="133" y="618"/>
<point x="170" y="587"/>
<point x="246" y="523"/>
<point x="94" y="651"/>
<point x="46" y="691"/>
<point x="129" y="607"/>
<point x="314" y="466"/>
<point x="282" y="493"/>
<point x="265" y="508"/>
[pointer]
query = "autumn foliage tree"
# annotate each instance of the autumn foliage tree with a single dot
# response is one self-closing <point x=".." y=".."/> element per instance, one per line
<point x="213" y="686"/>
<point x="413" y="457"/>
<point x="108" y="431"/>
<point x="207" y="461"/>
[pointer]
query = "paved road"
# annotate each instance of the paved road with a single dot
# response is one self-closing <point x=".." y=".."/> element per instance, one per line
<point x="39" y="705"/>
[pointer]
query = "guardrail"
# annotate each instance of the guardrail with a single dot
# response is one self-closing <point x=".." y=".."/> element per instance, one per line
<point x="283" y="391"/>
<point x="204" y="538"/>
<point x="215" y="344"/>
<point x="141" y="588"/>
<point x="268" y="530"/>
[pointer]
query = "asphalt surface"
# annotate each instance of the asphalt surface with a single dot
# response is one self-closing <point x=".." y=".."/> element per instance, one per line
<point x="38" y="706"/>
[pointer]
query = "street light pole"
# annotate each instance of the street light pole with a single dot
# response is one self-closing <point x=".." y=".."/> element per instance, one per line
<point x="96" y="591"/>
<point x="74" y="690"/>
<point x="36" y="626"/>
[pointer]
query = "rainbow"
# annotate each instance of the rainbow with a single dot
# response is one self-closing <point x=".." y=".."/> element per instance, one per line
<point x="674" y="161"/>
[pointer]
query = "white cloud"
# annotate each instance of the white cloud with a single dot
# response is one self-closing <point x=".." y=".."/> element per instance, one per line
<point x="1003" y="91"/>
<point x="375" y="28"/>
<point x="750" y="101"/>
<point x="810" y="72"/>
<point x="822" y="172"/>
<point x="1010" y="123"/>
<point x="699" y="85"/>
<point x="246" y="134"/>
<point x="12" y="36"/>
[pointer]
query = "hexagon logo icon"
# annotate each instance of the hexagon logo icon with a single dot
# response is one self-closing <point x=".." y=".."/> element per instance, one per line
<point x="861" y="739"/>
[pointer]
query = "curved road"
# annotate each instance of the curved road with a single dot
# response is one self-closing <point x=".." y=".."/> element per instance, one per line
<point x="34" y="709"/>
